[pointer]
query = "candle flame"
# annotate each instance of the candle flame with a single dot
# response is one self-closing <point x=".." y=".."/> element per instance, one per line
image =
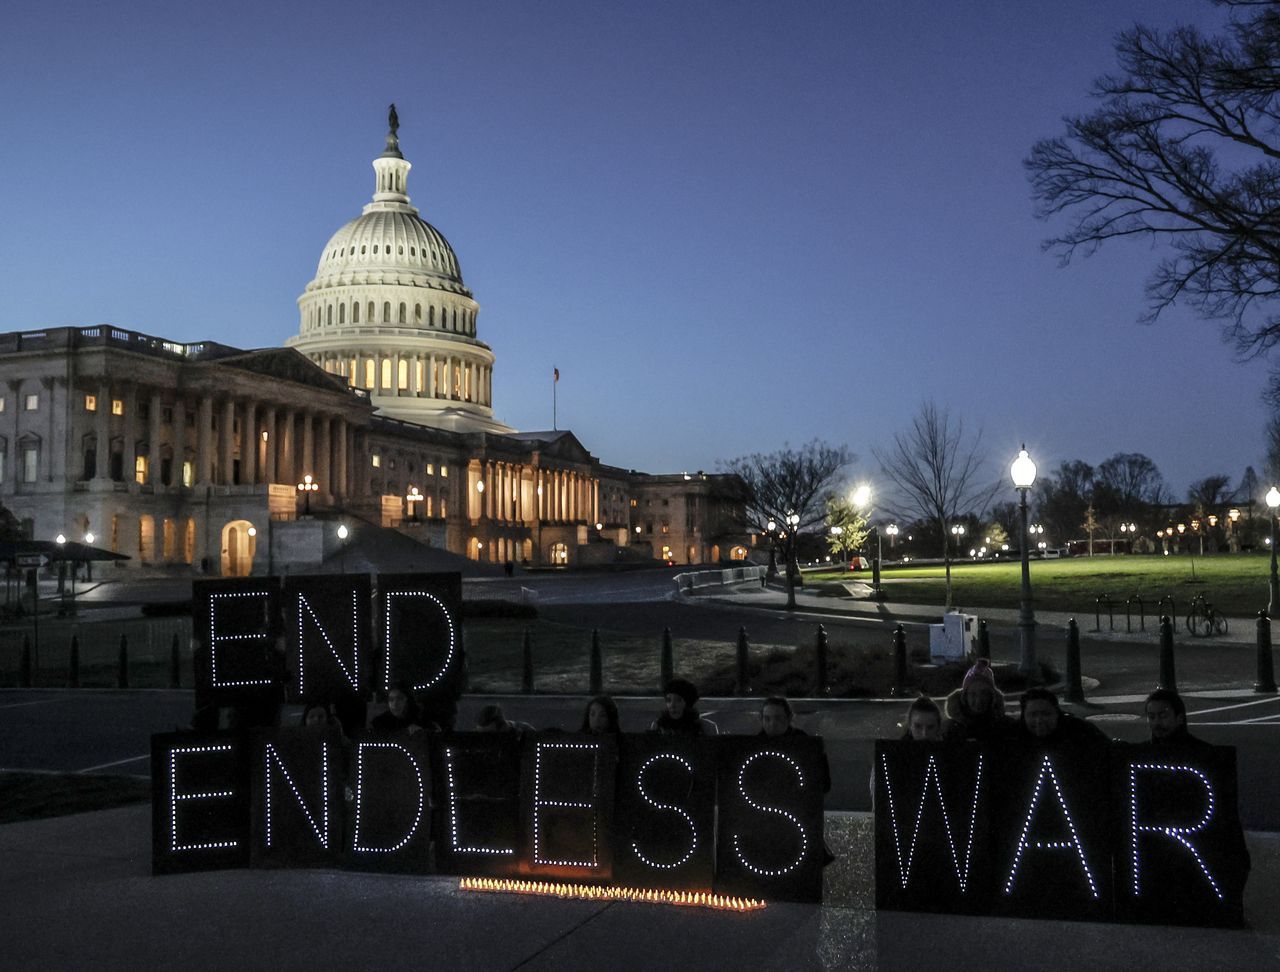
<point x="597" y="892"/>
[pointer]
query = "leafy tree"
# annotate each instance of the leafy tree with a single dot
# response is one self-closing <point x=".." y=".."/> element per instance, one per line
<point x="10" y="528"/>
<point x="790" y="484"/>
<point x="940" y="473"/>
<point x="1062" y="499"/>
<point x="853" y="527"/>
<point x="1007" y="518"/>
<point x="1183" y="148"/>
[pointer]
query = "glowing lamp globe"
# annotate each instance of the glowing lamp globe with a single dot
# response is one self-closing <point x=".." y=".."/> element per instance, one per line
<point x="1023" y="470"/>
<point x="1273" y="497"/>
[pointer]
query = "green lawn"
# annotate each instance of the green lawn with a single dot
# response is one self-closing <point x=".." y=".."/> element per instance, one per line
<point x="1234" y="583"/>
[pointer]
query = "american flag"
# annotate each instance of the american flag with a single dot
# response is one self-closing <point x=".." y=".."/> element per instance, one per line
<point x="557" y="373"/>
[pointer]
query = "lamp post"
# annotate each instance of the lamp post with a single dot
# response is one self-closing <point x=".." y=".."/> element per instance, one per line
<point x="306" y="488"/>
<point x="410" y="499"/>
<point x="343" y="533"/>
<point x="892" y="530"/>
<point x="836" y="544"/>
<point x="1023" y="473"/>
<point x="862" y="500"/>
<point x="1273" y="601"/>
<point x="772" y="528"/>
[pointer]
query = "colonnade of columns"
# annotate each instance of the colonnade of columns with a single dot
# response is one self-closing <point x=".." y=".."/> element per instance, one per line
<point x="274" y="443"/>
<point x="413" y="374"/>
<point x="515" y="493"/>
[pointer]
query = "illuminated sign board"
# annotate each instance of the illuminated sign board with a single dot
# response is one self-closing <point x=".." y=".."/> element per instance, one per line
<point x="297" y="797"/>
<point x="328" y="633"/>
<point x="477" y="793"/>
<point x="199" y="802"/>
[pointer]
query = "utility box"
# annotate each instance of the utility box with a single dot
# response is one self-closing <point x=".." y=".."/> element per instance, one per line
<point x="955" y="639"/>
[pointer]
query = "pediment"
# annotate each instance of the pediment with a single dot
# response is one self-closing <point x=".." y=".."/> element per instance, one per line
<point x="286" y="364"/>
<point x="558" y="445"/>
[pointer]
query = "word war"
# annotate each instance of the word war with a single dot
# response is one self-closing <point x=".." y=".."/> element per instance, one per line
<point x="1022" y="831"/>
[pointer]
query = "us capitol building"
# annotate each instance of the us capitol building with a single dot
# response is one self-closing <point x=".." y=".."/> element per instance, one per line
<point x="377" y="414"/>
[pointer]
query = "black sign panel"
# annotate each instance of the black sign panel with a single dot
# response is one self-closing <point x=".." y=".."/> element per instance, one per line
<point x="328" y="637"/>
<point x="390" y="821"/>
<point x="567" y="785"/>
<point x="770" y="834"/>
<point x="1180" y="852"/>
<point x="477" y="788"/>
<point x="1050" y="826"/>
<point x="932" y="841"/>
<point x="297" y="776"/>
<point x="236" y="623"/>
<point x="199" y="802"/>
<point x="664" y="825"/>
<point x="421" y="633"/>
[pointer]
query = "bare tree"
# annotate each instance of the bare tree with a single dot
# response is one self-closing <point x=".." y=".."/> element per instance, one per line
<point x="1184" y="148"/>
<point x="791" y="489"/>
<point x="939" y="473"/>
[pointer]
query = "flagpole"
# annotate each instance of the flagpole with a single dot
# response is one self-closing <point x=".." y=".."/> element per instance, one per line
<point x="555" y="383"/>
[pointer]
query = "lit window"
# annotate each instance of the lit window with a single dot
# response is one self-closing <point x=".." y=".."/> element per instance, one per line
<point x="444" y="474"/>
<point x="90" y="403"/>
<point x="32" y="402"/>
<point x="376" y="461"/>
<point x="431" y="469"/>
<point x="30" y="463"/>
<point x="1" y="404"/>
<point x="140" y="469"/>
<point x="634" y="504"/>
<point x="188" y="473"/>
<point x="117" y="406"/>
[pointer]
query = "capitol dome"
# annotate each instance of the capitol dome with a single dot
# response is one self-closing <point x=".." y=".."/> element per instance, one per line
<point x="388" y="311"/>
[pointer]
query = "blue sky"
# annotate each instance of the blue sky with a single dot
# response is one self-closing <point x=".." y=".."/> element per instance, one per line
<point x="730" y="225"/>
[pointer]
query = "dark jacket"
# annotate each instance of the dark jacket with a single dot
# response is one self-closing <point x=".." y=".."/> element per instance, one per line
<point x="689" y="724"/>
<point x="825" y="781"/>
<point x="963" y="724"/>
<point x="1070" y="731"/>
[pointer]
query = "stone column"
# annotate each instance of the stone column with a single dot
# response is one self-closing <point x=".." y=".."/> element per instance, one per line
<point x="204" y="441"/>
<point x="129" y="448"/>
<point x="227" y="441"/>
<point x="101" y="434"/>
<point x="342" y="436"/>
<point x="287" y="467"/>
<point x="154" y="461"/>
<point x="308" y="447"/>
<point x="431" y="376"/>
<point x="324" y="445"/>
<point x="273" y="439"/>
<point x="178" y="440"/>
<point x="249" y="444"/>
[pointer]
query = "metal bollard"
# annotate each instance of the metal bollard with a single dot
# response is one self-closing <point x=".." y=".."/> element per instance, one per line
<point x="175" y="663"/>
<point x="667" y="668"/>
<point x="597" y="664"/>
<point x="899" y="661"/>
<point x="24" y="663"/>
<point x="743" y="684"/>
<point x="1075" y="686"/>
<point x="526" y="670"/>
<point x="122" y="681"/>
<point x="1266" y="682"/>
<point x="73" y="665"/>
<point x="820" y="659"/>
<point x="1168" y="680"/>
<point x="984" y="641"/>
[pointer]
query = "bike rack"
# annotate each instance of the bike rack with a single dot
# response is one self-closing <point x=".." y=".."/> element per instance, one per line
<point x="1142" y="614"/>
<point x="1172" y="612"/>
<point x="1097" y="612"/>
<point x="1197" y="602"/>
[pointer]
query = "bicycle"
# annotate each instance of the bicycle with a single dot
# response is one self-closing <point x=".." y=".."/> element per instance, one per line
<point x="1204" y="620"/>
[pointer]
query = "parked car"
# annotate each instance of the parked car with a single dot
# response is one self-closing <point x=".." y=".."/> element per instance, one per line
<point x="859" y="562"/>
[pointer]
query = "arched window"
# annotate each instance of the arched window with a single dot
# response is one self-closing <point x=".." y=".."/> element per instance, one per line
<point x="342" y="313"/>
<point x="417" y="313"/>
<point x="402" y="379"/>
<point x="455" y="318"/>
<point x="386" y="373"/>
<point x="386" y="312"/>
<point x="371" y="317"/>
<point x="403" y="314"/>
<point x="363" y="249"/>
<point x="355" y="312"/>
<point x="368" y="373"/>
<point x="431" y="316"/>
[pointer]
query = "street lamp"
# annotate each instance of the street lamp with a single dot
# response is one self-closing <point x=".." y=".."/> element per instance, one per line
<point x="1023" y="473"/>
<point x="772" y="529"/>
<point x="1273" y="601"/>
<point x="862" y="500"/>
<point x="836" y="533"/>
<point x="306" y="488"/>
<point x="343" y="533"/>
<point x="892" y="530"/>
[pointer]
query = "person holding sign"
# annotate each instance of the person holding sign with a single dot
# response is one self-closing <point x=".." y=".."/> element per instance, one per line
<point x="601" y="717"/>
<point x="1167" y="719"/>
<point x="680" y="718"/>
<point x="924" y="721"/>
<point x="976" y="709"/>
<point x="1044" y="721"/>
<point x="402" y="712"/>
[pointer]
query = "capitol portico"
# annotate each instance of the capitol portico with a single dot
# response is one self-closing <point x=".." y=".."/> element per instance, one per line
<point x="194" y="455"/>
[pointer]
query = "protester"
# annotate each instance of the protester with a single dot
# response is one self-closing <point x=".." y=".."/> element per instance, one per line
<point x="316" y="714"/>
<point x="1167" y="719"/>
<point x="924" y="721"/>
<point x="402" y="713"/>
<point x="1044" y="721"/>
<point x="680" y="717"/>
<point x="601" y="717"/>
<point x="976" y="709"/>
<point x="492" y="719"/>
<point x="776" y="717"/>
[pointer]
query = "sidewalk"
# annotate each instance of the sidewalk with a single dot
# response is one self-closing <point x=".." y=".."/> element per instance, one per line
<point x="80" y="896"/>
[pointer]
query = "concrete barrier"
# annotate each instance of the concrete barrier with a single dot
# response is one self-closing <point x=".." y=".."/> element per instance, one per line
<point x="700" y="579"/>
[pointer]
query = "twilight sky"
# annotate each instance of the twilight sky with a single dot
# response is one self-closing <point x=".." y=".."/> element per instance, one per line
<point x="730" y="225"/>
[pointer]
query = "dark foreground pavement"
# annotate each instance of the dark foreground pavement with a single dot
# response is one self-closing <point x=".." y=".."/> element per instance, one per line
<point x="78" y="894"/>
